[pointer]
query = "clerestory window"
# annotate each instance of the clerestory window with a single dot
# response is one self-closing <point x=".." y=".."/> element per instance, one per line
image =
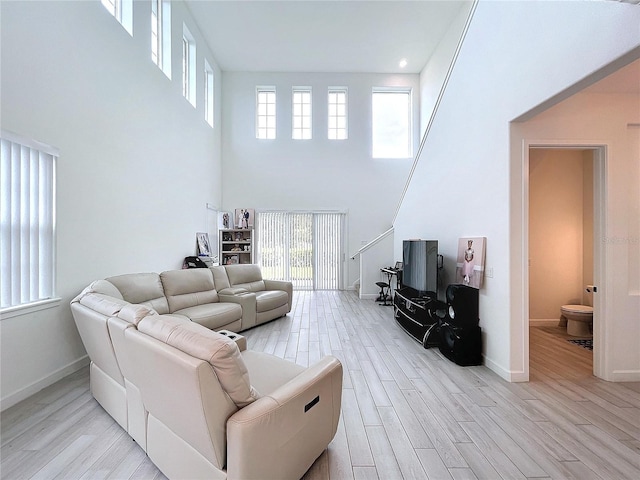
<point x="391" y="123"/>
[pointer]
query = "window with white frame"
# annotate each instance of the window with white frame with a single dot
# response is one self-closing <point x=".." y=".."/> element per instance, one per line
<point x="27" y="216"/>
<point x="266" y="113"/>
<point x="337" y="114"/>
<point x="391" y="123"/>
<point x="188" y="66"/>
<point x="122" y="10"/>
<point x="301" y="119"/>
<point x="209" y="93"/>
<point x="161" y="35"/>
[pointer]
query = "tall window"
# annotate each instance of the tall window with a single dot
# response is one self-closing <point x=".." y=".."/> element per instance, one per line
<point x="391" y="123"/>
<point x="337" y="118"/>
<point x="301" y="119"/>
<point x="27" y="216"/>
<point x="209" y="93"/>
<point x="266" y="112"/>
<point x="303" y="248"/>
<point x="161" y="35"/>
<point x="188" y="66"/>
<point x="122" y="10"/>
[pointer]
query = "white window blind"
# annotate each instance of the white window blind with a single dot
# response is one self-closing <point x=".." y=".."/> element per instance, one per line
<point x="303" y="248"/>
<point x="27" y="212"/>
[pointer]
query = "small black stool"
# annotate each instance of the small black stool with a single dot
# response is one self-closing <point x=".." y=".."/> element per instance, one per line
<point x="384" y="292"/>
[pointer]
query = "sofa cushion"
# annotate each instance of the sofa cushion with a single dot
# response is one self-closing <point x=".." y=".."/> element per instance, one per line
<point x="268" y="371"/>
<point x="143" y="288"/>
<point x="132" y="313"/>
<point x="270" y="300"/>
<point x="213" y="315"/>
<point x="103" y="304"/>
<point x="188" y="288"/>
<point x="105" y="287"/>
<point x="218" y="350"/>
<point x="220" y="277"/>
<point x="247" y="276"/>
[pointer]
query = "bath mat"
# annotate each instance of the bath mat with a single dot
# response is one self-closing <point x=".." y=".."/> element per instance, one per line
<point x="588" y="343"/>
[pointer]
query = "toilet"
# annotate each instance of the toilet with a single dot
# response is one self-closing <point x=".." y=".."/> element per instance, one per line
<point x="578" y="320"/>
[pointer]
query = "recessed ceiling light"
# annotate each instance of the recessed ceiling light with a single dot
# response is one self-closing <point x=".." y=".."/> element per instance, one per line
<point x="403" y="63"/>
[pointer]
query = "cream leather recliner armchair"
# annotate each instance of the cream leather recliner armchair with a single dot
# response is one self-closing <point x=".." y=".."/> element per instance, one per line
<point x="213" y="411"/>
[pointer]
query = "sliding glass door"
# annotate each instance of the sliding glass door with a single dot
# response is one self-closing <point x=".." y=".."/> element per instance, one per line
<point x="303" y="248"/>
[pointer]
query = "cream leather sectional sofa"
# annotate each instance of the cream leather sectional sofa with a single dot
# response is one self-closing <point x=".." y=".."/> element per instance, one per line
<point x="197" y="401"/>
<point x="232" y="297"/>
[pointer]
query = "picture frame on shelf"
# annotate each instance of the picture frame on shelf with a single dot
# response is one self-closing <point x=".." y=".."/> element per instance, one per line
<point x="244" y="218"/>
<point x="226" y="220"/>
<point x="203" y="244"/>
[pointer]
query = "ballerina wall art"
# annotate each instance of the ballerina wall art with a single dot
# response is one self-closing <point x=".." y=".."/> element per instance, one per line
<point x="470" y="261"/>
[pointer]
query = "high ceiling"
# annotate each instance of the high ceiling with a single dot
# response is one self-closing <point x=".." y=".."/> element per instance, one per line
<point x="351" y="36"/>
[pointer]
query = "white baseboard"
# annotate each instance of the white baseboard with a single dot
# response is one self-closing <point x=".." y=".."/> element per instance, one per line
<point x="626" y="376"/>
<point x="507" y="375"/>
<point x="368" y="296"/>
<point x="13" y="398"/>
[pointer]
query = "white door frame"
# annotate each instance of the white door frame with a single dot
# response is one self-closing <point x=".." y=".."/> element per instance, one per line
<point x="600" y="338"/>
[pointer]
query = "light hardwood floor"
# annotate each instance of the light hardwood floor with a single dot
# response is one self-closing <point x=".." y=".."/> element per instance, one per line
<point x="407" y="412"/>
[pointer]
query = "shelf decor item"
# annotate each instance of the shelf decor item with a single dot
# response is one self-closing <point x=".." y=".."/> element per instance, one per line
<point x="244" y="217"/>
<point x="203" y="245"/>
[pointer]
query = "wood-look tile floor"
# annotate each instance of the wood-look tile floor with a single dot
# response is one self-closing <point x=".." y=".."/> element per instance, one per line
<point x="407" y="412"/>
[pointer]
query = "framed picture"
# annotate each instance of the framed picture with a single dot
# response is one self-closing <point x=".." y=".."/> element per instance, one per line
<point x="226" y="220"/>
<point x="204" y="247"/>
<point x="470" y="261"/>
<point x="244" y="217"/>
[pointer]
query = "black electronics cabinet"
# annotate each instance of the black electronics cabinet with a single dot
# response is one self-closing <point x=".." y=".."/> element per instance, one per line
<point x="417" y="315"/>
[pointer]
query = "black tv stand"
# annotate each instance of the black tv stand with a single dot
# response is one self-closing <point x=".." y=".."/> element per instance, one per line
<point x="417" y="315"/>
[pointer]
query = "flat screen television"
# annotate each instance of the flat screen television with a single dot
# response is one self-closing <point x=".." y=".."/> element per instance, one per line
<point x="420" y="266"/>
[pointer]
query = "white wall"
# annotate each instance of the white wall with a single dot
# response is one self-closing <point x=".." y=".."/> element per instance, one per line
<point x="435" y="71"/>
<point x="602" y="119"/>
<point x="515" y="56"/>
<point x="317" y="174"/>
<point x="137" y="166"/>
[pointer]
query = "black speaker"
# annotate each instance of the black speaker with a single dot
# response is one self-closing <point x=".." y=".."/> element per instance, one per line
<point x="463" y="305"/>
<point x="461" y="345"/>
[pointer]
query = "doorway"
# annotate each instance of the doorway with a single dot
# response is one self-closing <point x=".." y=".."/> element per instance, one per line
<point x="565" y="216"/>
<point x="560" y="241"/>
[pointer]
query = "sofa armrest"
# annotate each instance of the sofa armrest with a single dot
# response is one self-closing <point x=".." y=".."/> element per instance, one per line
<point x="233" y="291"/>
<point x="246" y="300"/>
<point x="280" y="435"/>
<point x="281" y="285"/>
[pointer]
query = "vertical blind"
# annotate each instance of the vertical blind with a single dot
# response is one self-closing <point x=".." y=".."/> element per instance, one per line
<point x="303" y="248"/>
<point x="27" y="211"/>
